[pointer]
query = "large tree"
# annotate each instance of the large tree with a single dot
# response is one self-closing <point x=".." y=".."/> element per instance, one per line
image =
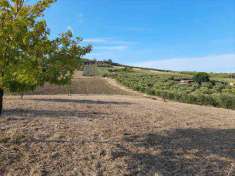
<point x="28" y="58"/>
<point x="64" y="59"/>
<point x="201" y="77"/>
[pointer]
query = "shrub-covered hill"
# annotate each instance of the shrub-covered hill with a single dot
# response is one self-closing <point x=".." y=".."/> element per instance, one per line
<point x="188" y="87"/>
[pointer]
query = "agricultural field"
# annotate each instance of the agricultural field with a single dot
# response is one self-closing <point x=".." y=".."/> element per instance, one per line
<point x="81" y="85"/>
<point x="117" y="135"/>
<point x="112" y="132"/>
<point x="62" y="114"/>
<point x="215" y="92"/>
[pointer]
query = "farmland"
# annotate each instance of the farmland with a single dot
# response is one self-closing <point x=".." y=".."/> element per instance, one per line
<point x="112" y="132"/>
<point x="62" y="114"/>
<point x="81" y="85"/>
<point x="216" y="92"/>
<point x="114" y="135"/>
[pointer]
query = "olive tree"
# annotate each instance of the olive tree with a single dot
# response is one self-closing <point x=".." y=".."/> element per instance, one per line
<point x="28" y="58"/>
<point x="201" y="77"/>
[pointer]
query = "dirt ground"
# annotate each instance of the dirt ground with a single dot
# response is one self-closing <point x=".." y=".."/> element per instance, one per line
<point x="114" y="135"/>
<point x="85" y="85"/>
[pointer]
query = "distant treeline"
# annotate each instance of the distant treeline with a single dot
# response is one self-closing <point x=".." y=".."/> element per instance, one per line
<point x="111" y="63"/>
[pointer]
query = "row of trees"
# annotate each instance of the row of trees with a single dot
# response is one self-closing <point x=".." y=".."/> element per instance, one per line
<point x="28" y="57"/>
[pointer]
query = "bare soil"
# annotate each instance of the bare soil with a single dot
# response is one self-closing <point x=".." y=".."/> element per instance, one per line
<point x="84" y="85"/>
<point x="114" y="135"/>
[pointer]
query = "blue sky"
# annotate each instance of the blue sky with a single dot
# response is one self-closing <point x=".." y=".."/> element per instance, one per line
<point x="196" y="35"/>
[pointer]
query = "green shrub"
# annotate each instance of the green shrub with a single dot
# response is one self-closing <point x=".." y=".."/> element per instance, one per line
<point x="201" y="77"/>
<point x="226" y="101"/>
<point x="214" y="93"/>
<point x="219" y="86"/>
<point x="150" y="91"/>
<point x="208" y="85"/>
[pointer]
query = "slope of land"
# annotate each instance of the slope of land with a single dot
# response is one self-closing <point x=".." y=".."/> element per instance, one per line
<point x="114" y="135"/>
<point x="176" y="86"/>
<point x="120" y="133"/>
<point x="83" y="85"/>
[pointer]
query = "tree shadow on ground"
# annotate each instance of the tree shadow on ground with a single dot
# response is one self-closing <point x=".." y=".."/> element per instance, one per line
<point x="33" y="113"/>
<point x="98" y="102"/>
<point x="201" y="152"/>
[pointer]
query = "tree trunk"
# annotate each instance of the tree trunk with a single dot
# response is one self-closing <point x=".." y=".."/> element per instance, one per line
<point x="21" y="96"/>
<point x="69" y="89"/>
<point x="1" y="100"/>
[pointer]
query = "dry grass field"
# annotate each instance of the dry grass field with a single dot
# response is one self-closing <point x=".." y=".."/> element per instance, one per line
<point x="114" y="135"/>
<point x="83" y="85"/>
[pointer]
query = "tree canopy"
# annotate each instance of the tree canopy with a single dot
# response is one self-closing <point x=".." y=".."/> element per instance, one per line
<point x="28" y="57"/>
<point x="201" y="77"/>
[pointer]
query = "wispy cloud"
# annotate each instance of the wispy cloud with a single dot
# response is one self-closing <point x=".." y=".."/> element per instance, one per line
<point x="117" y="48"/>
<point x="107" y="40"/>
<point x="104" y="47"/>
<point x="107" y="52"/>
<point x="212" y="63"/>
<point x="96" y="40"/>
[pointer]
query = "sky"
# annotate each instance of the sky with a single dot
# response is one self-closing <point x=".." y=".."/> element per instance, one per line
<point x="184" y="35"/>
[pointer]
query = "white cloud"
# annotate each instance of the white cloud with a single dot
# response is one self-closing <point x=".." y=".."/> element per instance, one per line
<point x="107" y="40"/>
<point x="107" y="52"/>
<point x="106" y="47"/>
<point x="96" y="40"/>
<point x="212" y="63"/>
<point x="117" y="48"/>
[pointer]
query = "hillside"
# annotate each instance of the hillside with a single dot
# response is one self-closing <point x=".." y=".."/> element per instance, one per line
<point x="115" y="132"/>
<point x="82" y="85"/>
<point x="217" y="90"/>
<point x="62" y="114"/>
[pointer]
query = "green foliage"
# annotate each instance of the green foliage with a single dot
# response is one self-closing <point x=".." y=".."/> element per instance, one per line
<point x="109" y="61"/>
<point x="167" y="86"/>
<point x="23" y="43"/>
<point x="64" y="59"/>
<point x="126" y="69"/>
<point x="28" y="58"/>
<point x="226" y="101"/>
<point x="201" y="77"/>
<point x="21" y="78"/>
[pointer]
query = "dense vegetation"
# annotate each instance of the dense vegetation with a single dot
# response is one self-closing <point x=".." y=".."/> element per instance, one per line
<point x="199" y="89"/>
<point x="28" y="56"/>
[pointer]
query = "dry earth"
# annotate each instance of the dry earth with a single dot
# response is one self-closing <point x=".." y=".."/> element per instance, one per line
<point x="114" y="135"/>
<point x="85" y="85"/>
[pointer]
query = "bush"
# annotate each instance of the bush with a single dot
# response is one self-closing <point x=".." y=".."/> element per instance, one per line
<point x="219" y="86"/>
<point x="226" y="101"/>
<point x="150" y="91"/>
<point x="126" y="69"/>
<point x="214" y="93"/>
<point x="201" y="77"/>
